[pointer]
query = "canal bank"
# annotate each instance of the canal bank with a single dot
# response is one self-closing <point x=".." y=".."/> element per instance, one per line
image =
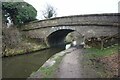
<point x="80" y="63"/>
<point x="48" y="69"/>
<point x="23" y="65"/>
<point x="70" y="63"/>
<point x="67" y="64"/>
<point x="14" y="42"/>
<point x="105" y="62"/>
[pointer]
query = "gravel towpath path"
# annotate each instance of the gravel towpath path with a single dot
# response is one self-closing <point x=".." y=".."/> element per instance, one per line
<point x="71" y="67"/>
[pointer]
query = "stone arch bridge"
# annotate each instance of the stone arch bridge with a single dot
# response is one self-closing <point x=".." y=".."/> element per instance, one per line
<point x="53" y="31"/>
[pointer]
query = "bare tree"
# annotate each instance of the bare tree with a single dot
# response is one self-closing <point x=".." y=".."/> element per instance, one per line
<point x="49" y="12"/>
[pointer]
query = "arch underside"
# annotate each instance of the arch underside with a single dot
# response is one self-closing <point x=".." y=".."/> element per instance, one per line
<point x="57" y="37"/>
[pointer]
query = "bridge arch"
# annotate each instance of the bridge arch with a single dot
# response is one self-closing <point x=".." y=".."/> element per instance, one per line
<point x="92" y="25"/>
<point x="57" y="37"/>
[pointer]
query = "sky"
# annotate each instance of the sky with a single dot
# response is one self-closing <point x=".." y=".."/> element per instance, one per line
<point x="75" y="7"/>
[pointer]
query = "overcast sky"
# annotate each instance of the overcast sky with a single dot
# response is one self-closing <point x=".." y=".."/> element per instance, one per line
<point x="76" y="7"/>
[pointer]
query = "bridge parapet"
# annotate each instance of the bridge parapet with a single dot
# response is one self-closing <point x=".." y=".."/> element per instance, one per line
<point x="82" y="20"/>
<point x="53" y="31"/>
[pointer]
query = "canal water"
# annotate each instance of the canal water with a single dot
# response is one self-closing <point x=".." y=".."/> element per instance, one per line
<point x="23" y="65"/>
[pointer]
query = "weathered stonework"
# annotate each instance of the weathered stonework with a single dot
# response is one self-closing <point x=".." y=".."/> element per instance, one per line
<point x="94" y="25"/>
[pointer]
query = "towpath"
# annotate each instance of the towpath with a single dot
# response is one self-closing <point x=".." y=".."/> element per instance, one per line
<point x="71" y="66"/>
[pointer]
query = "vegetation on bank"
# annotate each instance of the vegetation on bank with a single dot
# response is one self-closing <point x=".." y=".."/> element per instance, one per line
<point x="49" y="71"/>
<point x="15" y="14"/>
<point x="24" y="48"/>
<point x="49" y="68"/>
<point x="96" y="53"/>
<point x="104" y="62"/>
<point x="14" y="42"/>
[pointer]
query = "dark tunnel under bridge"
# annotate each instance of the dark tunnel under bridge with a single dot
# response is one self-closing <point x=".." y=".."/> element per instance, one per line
<point x="58" y="37"/>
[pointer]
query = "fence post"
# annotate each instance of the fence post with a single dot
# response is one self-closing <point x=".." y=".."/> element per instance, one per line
<point x="102" y="44"/>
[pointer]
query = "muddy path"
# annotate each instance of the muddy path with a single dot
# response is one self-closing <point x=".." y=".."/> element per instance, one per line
<point x="72" y="66"/>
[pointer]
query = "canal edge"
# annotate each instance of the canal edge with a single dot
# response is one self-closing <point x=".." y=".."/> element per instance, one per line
<point x="53" y="61"/>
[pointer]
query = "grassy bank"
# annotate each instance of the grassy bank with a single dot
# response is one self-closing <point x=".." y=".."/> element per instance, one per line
<point x="96" y="53"/>
<point x="104" y="62"/>
<point x="48" y="70"/>
<point x="25" y="46"/>
<point x="15" y="42"/>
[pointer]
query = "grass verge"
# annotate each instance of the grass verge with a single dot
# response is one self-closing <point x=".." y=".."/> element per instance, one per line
<point x="96" y="53"/>
<point x="102" y="61"/>
<point x="49" y="71"/>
